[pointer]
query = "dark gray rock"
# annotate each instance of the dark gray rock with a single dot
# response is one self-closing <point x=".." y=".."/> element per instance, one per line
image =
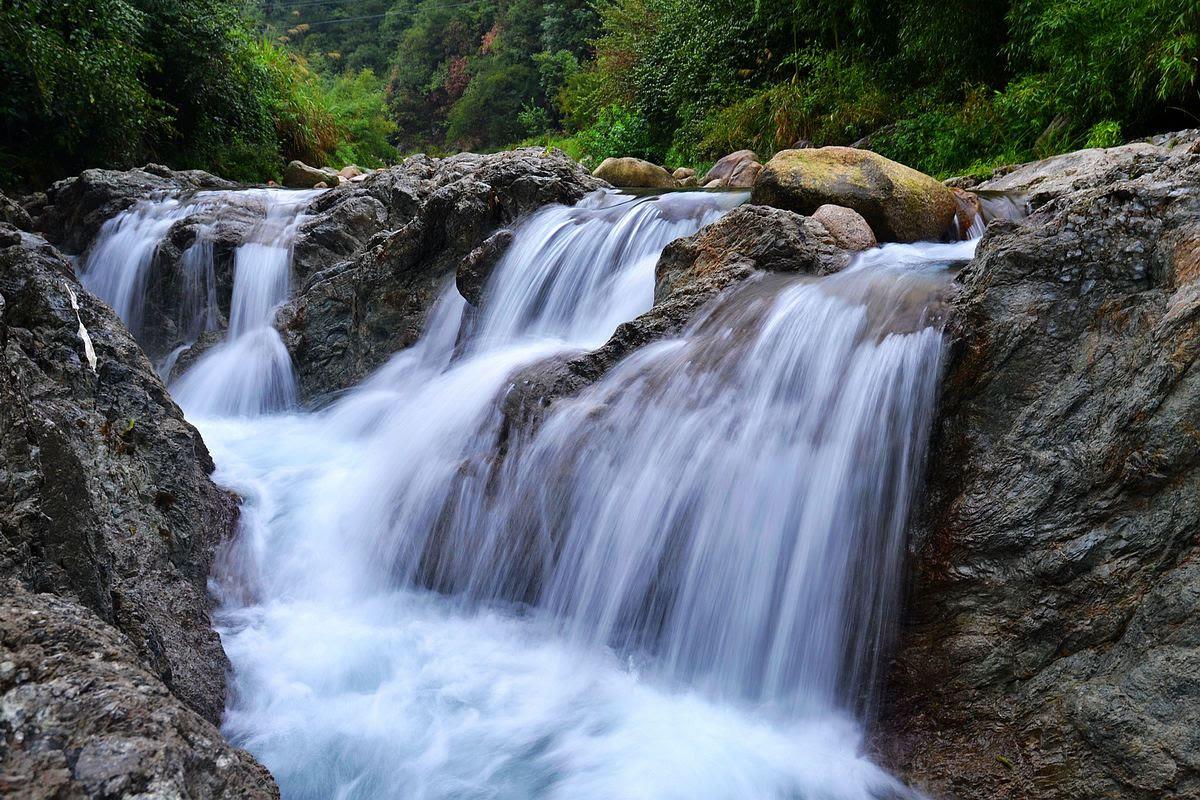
<point x="170" y="315"/>
<point x="104" y="491"/>
<point x="1052" y="648"/>
<point x="84" y="719"/>
<point x="376" y="253"/>
<point x="105" y="501"/>
<point x="476" y="267"/>
<point x="12" y="213"/>
<point x="75" y="208"/>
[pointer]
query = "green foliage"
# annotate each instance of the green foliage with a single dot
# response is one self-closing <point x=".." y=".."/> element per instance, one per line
<point x="619" y="131"/>
<point x="71" y="73"/>
<point x="1104" y="134"/>
<point x="952" y="86"/>
<point x="356" y="101"/>
<point x="118" y="82"/>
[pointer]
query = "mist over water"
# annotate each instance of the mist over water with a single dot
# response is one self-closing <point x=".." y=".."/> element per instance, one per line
<point x="679" y="586"/>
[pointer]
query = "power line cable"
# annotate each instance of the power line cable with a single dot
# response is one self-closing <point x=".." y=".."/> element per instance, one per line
<point x="337" y="20"/>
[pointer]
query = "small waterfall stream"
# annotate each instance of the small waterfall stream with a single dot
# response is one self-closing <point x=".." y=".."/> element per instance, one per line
<point x="680" y="585"/>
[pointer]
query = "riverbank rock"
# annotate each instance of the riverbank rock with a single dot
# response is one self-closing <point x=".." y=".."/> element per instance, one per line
<point x="738" y="170"/>
<point x="1041" y="181"/>
<point x="83" y="718"/>
<point x="75" y="208"/>
<point x="374" y="255"/>
<point x="12" y="213"/>
<point x="1053" y="638"/>
<point x="683" y="173"/>
<point x="298" y="175"/>
<point x="846" y="226"/>
<point x="634" y="173"/>
<point x="106" y="502"/>
<point x="748" y="241"/>
<point x="899" y="203"/>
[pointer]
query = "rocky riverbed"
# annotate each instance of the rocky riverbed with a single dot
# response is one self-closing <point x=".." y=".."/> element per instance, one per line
<point x="1051" y="638"/>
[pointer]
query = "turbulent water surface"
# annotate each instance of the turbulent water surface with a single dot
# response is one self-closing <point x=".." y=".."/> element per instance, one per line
<point x="678" y="586"/>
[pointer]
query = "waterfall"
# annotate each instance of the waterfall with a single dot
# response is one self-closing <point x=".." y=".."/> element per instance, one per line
<point x="116" y="268"/>
<point x="682" y="584"/>
<point x="250" y="372"/>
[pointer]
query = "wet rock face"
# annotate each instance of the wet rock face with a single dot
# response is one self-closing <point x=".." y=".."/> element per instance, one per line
<point x="1053" y="640"/>
<point x="375" y="254"/>
<point x="111" y="677"/>
<point x="104" y="491"/>
<point x="690" y="272"/>
<point x="82" y="717"/>
<point x="75" y="208"/>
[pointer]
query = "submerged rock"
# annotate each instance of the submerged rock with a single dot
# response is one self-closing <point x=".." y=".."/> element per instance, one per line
<point x="1053" y="642"/>
<point x="899" y="203"/>
<point x="634" y="173"/>
<point x="375" y="254"/>
<point x="105" y="501"/>
<point x="476" y="268"/>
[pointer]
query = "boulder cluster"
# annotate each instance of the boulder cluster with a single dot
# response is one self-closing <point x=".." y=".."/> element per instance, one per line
<point x="860" y="196"/>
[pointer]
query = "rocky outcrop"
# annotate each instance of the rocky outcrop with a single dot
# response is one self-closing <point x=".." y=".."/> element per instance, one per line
<point x="634" y="173"/>
<point x="367" y="286"/>
<point x="106" y="502"/>
<point x="690" y="272"/>
<point x="171" y="313"/>
<point x="1041" y="181"/>
<point x="846" y="226"/>
<point x="1053" y="640"/>
<point x="83" y="718"/>
<point x="476" y="268"/>
<point x="12" y="213"/>
<point x="75" y="208"/>
<point x="899" y="203"/>
<point x="738" y="170"/>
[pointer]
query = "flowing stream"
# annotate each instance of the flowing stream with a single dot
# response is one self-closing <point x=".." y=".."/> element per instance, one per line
<point x="680" y="585"/>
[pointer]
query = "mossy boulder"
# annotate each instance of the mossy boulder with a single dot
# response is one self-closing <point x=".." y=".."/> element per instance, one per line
<point x="899" y="203"/>
<point x="634" y="172"/>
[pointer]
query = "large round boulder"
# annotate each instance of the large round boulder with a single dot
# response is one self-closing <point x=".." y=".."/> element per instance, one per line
<point x="298" y="175"/>
<point x="634" y="172"/>
<point x="899" y="203"/>
<point x="738" y="170"/>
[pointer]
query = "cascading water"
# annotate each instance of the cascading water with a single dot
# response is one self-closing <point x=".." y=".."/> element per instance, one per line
<point x="117" y="266"/>
<point x="679" y="585"/>
<point x="251" y="372"/>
